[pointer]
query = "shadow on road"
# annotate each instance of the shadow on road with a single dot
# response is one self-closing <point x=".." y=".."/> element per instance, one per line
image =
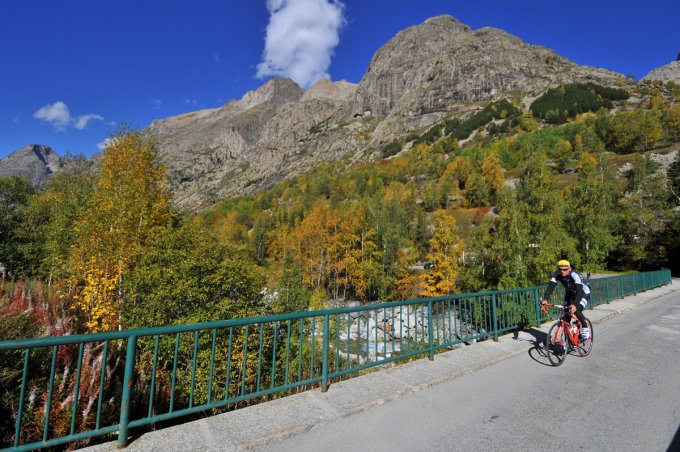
<point x="537" y="352"/>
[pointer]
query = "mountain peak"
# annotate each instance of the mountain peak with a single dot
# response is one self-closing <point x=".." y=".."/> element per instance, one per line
<point x="34" y="161"/>
<point x="324" y="88"/>
<point x="279" y="90"/>
<point x="445" y="20"/>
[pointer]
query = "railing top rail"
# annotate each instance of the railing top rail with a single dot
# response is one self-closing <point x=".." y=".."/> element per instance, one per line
<point x="174" y="329"/>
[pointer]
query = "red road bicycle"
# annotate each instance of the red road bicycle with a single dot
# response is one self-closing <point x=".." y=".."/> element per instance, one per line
<point x="563" y="337"/>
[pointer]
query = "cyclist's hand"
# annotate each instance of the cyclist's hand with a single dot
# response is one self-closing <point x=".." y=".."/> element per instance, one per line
<point x="544" y="302"/>
<point x="572" y="308"/>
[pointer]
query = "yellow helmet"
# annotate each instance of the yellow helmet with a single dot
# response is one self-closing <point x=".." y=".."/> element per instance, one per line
<point x="563" y="263"/>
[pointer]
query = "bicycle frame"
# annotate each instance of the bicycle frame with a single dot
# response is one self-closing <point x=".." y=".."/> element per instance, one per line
<point x="573" y="336"/>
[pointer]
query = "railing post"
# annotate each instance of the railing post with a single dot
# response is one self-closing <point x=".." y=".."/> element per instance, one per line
<point x="494" y="316"/>
<point x="127" y="388"/>
<point x="430" y="330"/>
<point x="606" y="288"/>
<point x="324" y="365"/>
<point x="20" y="408"/>
<point x="538" y="308"/>
<point x="621" y="281"/>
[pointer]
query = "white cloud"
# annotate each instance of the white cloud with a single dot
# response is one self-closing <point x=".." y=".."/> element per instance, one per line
<point x="56" y="114"/>
<point x="301" y="37"/>
<point x="59" y="117"/>
<point x="156" y="103"/>
<point x="104" y="144"/>
<point x="82" y="121"/>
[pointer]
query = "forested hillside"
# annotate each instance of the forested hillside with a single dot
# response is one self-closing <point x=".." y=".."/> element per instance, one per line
<point x="524" y="189"/>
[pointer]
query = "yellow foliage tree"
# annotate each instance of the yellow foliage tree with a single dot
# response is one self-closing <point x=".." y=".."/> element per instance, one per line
<point x="408" y="283"/>
<point x="129" y="208"/>
<point x="460" y="169"/>
<point x="492" y="171"/>
<point x="445" y="249"/>
<point x="358" y="255"/>
<point x="230" y="230"/>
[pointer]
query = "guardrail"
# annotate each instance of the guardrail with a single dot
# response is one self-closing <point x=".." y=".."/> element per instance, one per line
<point x="59" y="390"/>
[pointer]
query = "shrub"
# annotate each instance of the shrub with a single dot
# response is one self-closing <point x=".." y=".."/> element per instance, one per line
<point x="391" y="149"/>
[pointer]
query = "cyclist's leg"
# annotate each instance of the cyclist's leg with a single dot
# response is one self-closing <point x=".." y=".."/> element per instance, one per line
<point x="566" y="302"/>
<point x="579" y="312"/>
<point x="585" y="330"/>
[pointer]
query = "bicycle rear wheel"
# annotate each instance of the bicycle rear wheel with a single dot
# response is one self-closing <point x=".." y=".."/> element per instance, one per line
<point x="583" y="348"/>
<point x="556" y="344"/>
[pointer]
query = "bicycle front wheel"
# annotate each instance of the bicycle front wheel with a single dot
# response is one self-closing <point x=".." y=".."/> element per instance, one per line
<point x="556" y="344"/>
<point x="584" y="347"/>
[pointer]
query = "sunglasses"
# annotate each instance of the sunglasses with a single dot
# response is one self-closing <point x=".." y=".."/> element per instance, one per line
<point x="564" y="269"/>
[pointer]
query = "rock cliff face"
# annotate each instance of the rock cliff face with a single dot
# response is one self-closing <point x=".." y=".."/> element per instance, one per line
<point x="441" y="66"/>
<point x="425" y="73"/>
<point x="35" y="161"/>
<point x="668" y="73"/>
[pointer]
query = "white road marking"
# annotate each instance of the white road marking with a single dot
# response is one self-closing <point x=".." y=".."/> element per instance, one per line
<point x="661" y="329"/>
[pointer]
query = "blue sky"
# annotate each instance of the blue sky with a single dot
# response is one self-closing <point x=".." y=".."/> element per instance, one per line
<point x="71" y="71"/>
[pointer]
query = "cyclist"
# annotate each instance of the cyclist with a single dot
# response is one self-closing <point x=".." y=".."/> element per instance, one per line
<point x="576" y="293"/>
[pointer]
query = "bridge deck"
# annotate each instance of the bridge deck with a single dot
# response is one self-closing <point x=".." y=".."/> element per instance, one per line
<point x="261" y="425"/>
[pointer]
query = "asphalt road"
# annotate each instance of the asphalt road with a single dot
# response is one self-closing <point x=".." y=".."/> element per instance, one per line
<point x="624" y="396"/>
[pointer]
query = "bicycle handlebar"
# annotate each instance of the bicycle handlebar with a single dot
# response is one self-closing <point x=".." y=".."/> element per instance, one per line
<point x="559" y="306"/>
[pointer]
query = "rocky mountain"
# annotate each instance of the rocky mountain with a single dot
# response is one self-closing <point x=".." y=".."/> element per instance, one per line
<point x="35" y="161"/>
<point x="667" y="73"/>
<point x="424" y="74"/>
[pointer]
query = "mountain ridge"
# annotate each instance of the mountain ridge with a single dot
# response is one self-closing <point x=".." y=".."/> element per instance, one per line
<point x="424" y="74"/>
<point x="667" y="73"/>
<point x="427" y="72"/>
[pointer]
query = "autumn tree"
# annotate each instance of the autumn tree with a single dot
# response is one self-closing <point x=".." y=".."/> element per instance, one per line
<point x="292" y="295"/>
<point x="674" y="180"/>
<point x="477" y="190"/>
<point x="519" y="247"/>
<point x="540" y="203"/>
<point x="492" y="171"/>
<point x="643" y="216"/>
<point x="310" y="241"/>
<point x="672" y="124"/>
<point x="496" y="256"/>
<point x="459" y="169"/>
<point x="592" y="209"/>
<point x="407" y="283"/>
<point x="445" y="250"/>
<point x="671" y="237"/>
<point x="130" y="206"/>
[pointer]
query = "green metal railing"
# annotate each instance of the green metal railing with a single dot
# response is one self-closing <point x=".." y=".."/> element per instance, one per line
<point x="66" y="389"/>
